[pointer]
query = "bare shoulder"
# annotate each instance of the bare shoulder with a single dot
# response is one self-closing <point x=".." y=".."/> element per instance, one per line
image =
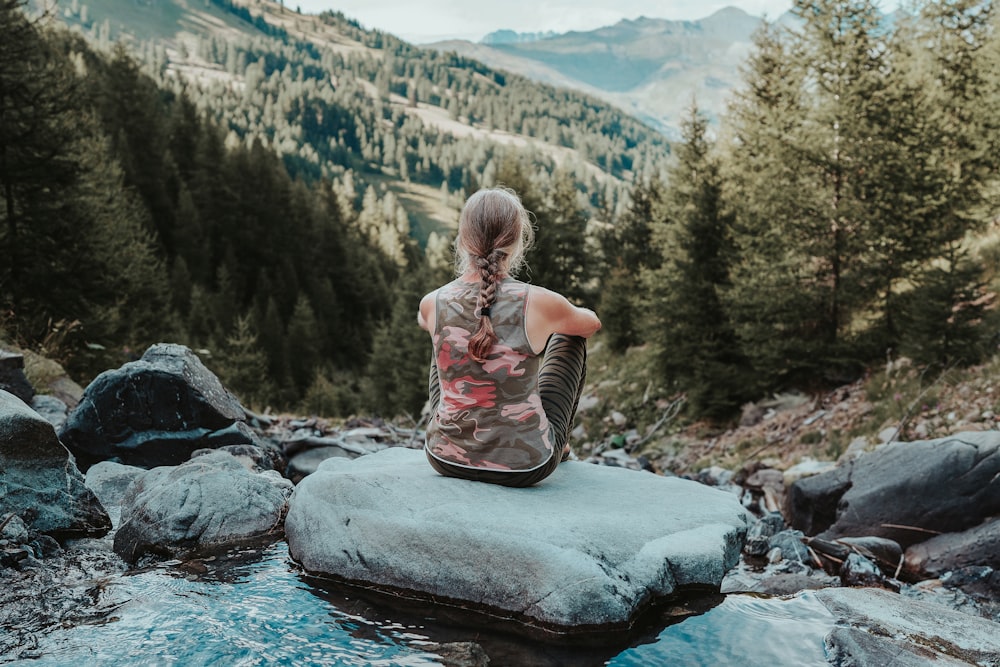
<point x="551" y="312"/>
<point x="425" y="313"/>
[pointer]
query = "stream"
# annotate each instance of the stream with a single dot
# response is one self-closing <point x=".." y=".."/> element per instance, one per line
<point x="256" y="607"/>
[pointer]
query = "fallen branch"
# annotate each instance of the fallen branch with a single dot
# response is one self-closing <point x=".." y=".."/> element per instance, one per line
<point x="672" y="410"/>
<point x="916" y="528"/>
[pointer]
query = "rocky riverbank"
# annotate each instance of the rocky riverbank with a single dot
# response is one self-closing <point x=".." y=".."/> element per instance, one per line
<point x="183" y="472"/>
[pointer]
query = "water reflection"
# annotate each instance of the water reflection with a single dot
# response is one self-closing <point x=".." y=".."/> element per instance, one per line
<point x="259" y="609"/>
<point x="505" y="641"/>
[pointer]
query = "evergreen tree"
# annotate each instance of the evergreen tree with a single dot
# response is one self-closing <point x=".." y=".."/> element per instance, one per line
<point x="397" y="371"/>
<point x="697" y="350"/>
<point x="559" y="260"/>
<point x="952" y="161"/>
<point x="303" y="345"/>
<point x="36" y="134"/>
<point x="803" y="129"/>
<point x="628" y="251"/>
<point x="242" y="365"/>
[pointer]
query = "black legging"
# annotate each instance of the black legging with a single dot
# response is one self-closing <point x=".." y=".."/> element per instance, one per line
<point x="560" y="383"/>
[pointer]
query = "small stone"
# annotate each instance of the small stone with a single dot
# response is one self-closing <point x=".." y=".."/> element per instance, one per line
<point x="618" y="418"/>
<point x="13" y="529"/>
<point x="888" y="434"/>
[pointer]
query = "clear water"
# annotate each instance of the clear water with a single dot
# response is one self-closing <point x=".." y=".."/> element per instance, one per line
<point x="264" y="612"/>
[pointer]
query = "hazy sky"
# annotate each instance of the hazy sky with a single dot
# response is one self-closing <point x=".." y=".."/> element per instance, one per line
<point x="430" y="20"/>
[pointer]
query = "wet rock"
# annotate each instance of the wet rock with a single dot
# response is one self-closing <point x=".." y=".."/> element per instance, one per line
<point x="885" y="553"/>
<point x="39" y="480"/>
<point x="52" y="410"/>
<point x="791" y="546"/>
<point x="511" y="551"/>
<point x="205" y="505"/>
<point x="784" y="578"/>
<point x="914" y="624"/>
<point x="979" y="545"/>
<point x="979" y="582"/>
<point x="860" y="571"/>
<point x="758" y="541"/>
<point x="255" y="458"/>
<point x="852" y="647"/>
<point x="903" y="490"/>
<point x="155" y="411"/>
<point x="461" y="654"/>
<point x="108" y="480"/>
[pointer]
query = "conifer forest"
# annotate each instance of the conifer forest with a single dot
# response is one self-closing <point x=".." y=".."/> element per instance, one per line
<point x="843" y="210"/>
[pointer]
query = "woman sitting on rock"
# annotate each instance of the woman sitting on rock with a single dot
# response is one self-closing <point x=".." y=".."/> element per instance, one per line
<point x="509" y="358"/>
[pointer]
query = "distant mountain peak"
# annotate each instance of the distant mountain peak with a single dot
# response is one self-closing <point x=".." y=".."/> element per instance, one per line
<point x="729" y="12"/>
<point x="514" y="37"/>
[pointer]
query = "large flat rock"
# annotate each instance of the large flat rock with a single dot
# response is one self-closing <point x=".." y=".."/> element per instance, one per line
<point x="586" y="549"/>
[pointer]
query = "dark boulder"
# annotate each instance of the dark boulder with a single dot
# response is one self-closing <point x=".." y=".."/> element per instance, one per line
<point x="154" y="411"/>
<point x="39" y="481"/>
<point x="760" y="534"/>
<point x="860" y="571"/>
<point x="904" y="491"/>
<point x="12" y="379"/>
<point x="979" y="545"/>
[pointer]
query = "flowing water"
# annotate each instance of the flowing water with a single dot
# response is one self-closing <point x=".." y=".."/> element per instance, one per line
<point x="259" y="609"/>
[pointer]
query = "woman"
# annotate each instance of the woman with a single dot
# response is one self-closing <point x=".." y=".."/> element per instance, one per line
<point x="501" y="414"/>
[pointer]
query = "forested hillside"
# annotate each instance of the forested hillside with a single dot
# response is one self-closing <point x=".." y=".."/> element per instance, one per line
<point x="262" y="175"/>
<point x="278" y="192"/>
<point x="844" y="215"/>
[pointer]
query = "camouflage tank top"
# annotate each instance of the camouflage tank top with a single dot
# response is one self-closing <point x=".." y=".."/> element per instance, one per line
<point x="490" y="415"/>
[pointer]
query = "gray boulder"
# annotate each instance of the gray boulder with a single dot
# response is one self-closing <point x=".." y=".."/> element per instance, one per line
<point x="155" y="411"/>
<point x="877" y="628"/>
<point x="39" y="480"/>
<point x="904" y="491"/>
<point x="977" y="546"/>
<point x="587" y="548"/>
<point x="51" y="408"/>
<point x="109" y="480"/>
<point x="203" y="506"/>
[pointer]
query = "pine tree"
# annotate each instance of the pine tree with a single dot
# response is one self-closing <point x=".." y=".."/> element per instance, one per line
<point x="36" y="134"/>
<point x="397" y="370"/>
<point x="242" y="365"/>
<point x="303" y="345"/>
<point x="800" y="183"/>
<point x="559" y="260"/>
<point x="697" y="349"/>
<point x="628" y="251"/>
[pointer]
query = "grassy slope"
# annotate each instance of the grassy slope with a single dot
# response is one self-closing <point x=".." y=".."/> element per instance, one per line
<point x="897" y="402"/>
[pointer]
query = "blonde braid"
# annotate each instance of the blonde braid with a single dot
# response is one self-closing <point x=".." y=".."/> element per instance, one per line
<point x="490" y="274"/>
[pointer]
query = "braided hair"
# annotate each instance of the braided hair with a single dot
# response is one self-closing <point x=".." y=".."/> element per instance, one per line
<point x="494" y="231"/>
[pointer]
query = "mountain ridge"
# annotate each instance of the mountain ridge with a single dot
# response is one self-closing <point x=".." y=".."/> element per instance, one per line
<point x="650" y="67"/>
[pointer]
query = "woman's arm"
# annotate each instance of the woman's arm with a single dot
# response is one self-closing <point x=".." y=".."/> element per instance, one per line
<point x="549" y="313"/>
<point x="425" y="314"/>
